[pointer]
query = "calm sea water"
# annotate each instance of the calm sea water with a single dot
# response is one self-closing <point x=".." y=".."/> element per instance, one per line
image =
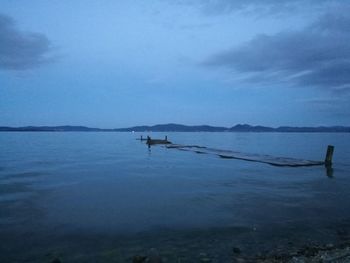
<point x="104" y="197"/>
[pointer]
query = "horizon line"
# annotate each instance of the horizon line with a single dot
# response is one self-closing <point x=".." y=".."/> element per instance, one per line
<point x="171" y="123"/>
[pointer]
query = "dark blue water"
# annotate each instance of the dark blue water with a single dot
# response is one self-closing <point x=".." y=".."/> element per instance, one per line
<point x="103" y="197"/>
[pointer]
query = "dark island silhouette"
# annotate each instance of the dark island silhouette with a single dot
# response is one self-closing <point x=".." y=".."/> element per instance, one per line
<point x="171" y="127"/>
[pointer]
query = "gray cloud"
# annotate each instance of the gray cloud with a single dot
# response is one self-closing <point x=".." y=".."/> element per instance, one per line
<point x="21" y="50"/>
<point x="257" y="6"/>
<point x="335" y="106"/>
<point x="318" y="55"/>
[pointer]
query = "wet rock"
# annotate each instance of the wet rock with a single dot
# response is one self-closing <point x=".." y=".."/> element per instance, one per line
<point x="294" y="254"/>
<point x="297" y="260"/>
<point x="239" y="260"/>
<point x="329" y="246"/>
<point x="310" y="254"/>
<point x="337" y="256"/>
<point x="203" y="257"/>
<point x="153" y="256"/>
<point x="139" y="259"/>
<point x="236" y="250"/>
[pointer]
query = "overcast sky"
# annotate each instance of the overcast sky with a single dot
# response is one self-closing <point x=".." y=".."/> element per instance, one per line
<point x="109" y="64"/>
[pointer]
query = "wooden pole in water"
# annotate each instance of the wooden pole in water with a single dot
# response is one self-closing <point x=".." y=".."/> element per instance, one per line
<point x="166" y="137"/>
<point x="329" y="155"/>
<point x="149" y="142"/>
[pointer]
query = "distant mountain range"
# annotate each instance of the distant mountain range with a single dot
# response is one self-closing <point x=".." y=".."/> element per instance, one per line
<point x="178" y="128"/>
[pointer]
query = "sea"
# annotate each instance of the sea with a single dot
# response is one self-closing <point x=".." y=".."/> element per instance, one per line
<point x="107" y="197"/>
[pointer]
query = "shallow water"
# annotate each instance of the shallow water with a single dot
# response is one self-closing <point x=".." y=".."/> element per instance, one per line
<point x="104" y="197"/>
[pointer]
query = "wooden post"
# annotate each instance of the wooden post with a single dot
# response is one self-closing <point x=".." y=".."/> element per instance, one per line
<point x="329" y="171"/>
<point x="149" y="142"/>
<point x="329" y="155"/>
<point x="141" y="137"/>
<point x="166" y="138"/>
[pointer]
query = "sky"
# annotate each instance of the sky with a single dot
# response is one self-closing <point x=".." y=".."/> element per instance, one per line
<point x="112" y="64"/>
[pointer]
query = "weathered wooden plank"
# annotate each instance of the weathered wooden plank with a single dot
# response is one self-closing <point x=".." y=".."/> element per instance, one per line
<point x="150" y="141"/>
<point x="227" y="154"/>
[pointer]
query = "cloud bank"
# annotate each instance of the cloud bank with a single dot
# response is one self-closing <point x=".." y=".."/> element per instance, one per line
<point x="318" y="55"/>
<point x="21" y="50"/>
<point x="257" y="6"/>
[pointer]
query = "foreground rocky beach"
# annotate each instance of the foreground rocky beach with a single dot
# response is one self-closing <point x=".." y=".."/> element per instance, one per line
<point x="311" y="254"/>
<point x="218" y="249"/>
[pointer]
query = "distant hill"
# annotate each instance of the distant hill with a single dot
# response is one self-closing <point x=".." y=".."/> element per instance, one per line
<point x="52" y="128"/>
<point x="237" y="128"/>
<point x="175" y="127"/>
<point x="249" y="128"/>
<point x="171" y="127"/>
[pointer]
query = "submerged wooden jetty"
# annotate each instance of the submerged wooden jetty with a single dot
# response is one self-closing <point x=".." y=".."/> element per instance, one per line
<point x="150" y="141"/>
<point x="142" y="138"/>
<point x="268" y="159"/>
<point x="261" y="158"/>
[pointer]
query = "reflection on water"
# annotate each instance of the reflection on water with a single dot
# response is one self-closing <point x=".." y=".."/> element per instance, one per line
<point x="329" y="171"/>
<point x="105" y="196"/>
